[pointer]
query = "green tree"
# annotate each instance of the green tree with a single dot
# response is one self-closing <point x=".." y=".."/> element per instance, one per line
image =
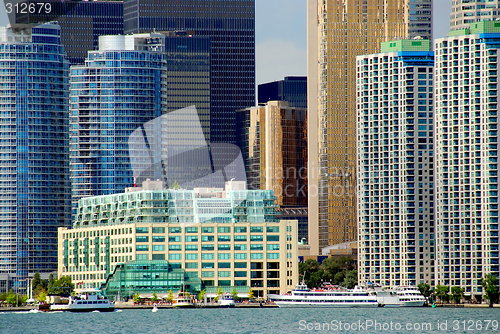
<point x="154" y="299"/>
<point x="250" y="294"/>
<point x="36" y="280"/>
<point x="442" y="293"/>
<point x="170" y="297"/>
<point x="351" y="279"/>
<point x="235" y="294"/>
<point x="42" y="296"/>
<point x="11" y="298"/>
<point x="175" y="185"/>
<point x="457" y="293"/>
<point x="201" y="295"/>
<point x="137" y="298"/>
<point x="219" y="293"/>
<point x="338" y="278"/>
<point x="425" y="289"/>
<point x="490" y="288"/>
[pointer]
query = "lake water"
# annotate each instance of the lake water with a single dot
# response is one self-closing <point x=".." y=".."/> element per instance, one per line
<point x="259" y="320"/>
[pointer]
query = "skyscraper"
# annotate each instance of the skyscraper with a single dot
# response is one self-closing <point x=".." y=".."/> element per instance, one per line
<point x="464" y="12"/>
<point x="338" y="31"/>
<point x="119" y="89"/>
<point x="36" y="193"/>
<point x="395" y="165"/>
<point x="467" y="156"/>
<point x="230" y="25"/>
<point x="291" y="89"/>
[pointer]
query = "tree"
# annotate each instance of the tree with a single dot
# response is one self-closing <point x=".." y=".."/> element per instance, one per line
<point x="201" y="296"/>
<point x="36" y="280"/>
<point x="425" y="289"/>
<point x="442" y="293"/>
<point x="351" y="279"/>
<point x="457" y="293"/>
<point x="219" y="293"/>
<point x="338" y="278"/>
<point x="170" y="297"/>
<point x="175" y="185"/>
<point x="137" y="298"/>
<point x="154" y="299"/>
<point x="235" y="294"/>
<point x="11" y="298"/>
<point x="490" y="288"/>
<point x="250" y="294"/>
<point x="62" y="286"/>
<point x="42" y="296"/>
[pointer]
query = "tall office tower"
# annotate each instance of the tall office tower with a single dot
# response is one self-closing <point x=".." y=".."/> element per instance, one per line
<point x="82" y="22"/>
<point x="467" y="156"/>
<point x="273" y="142"/>
<point x="338" y="31"/>
<point x="36" y="193"/>
<point x="465" y="12"/>
<point x="420" y="19"/>
<point x="291" y="89"/>
<point x="230" y="25"/>
<point x="118" y="90"/>
<point x="395" y="164"/>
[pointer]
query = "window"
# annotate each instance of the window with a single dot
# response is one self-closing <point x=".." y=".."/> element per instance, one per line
<point x="191" y="265"/>
<point x="207" y="274"/>
<point x="240" y="256"/>
<point x="174" y="239"/>
<point x="174" y="256"/>
<point x="158" y="248"/>
<point x="224" y="265"/>
<point x="273" y="256"/>
<point x="142" y="257"/>
<point x="256" y="238"/>
<point x="226" y="229"/>
<point x="240" y="238"/>
<point x="273" y="247"/>
<point x="207" y="256"/>
<point x="240" y="247"/>
<point x="142" y="230"/>
<point x="240" y="229"/>
<point x="157" y="238"/>
<point x="174" y="247"/>
<point x="256" y="256"/>
<point x="192" y="256"/>
<point x="191" y="238"/>
<point x="240" y="265"/>
<point x="142" y="248"/>
<point x="240" y="274"/>
<point x="273" y="238"/>
<point x="224" y="283"/>
<point x="174" y="230"/>
<point x="191" y="247"/>
<point x="256" y="229"/>
<point x="159" y="257"/>
<point x="207" y="265"/>
<point x="158" y="230"/>
<point x="224" y="256"/>
<point x="191" y="229"/>
<point x="224" y="247"/>
<point x="208" y="247"/>
<point x="273" y="229"/>
<point x="141" y="239"/>
<point x="223" y="238"/>
<point x="224" y="274"/>
<point x="256" y="247"/>
<point x="207" y="230"/>
<point x="205" y="238"/>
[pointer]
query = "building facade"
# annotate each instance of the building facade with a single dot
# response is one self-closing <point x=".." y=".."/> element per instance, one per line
<point x="291" y="89"/>
<point x="465" y="12"/>
<point x="338" y="31"/>
<point x="273" y="141"/>
<point x="225" y="238"/>
<point x="119" y="89"/>
<point x="395" y="130"/>
<point x="467" y="156"/>
<point x="35" y="182"/>
<point x="230" y="25"/>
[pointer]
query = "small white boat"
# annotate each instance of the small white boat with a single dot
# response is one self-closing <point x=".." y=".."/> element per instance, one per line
<point x="155" y="309"/>
<point x="88" y="301"/>
<point x="183" y="300"/>
<point x="226" y="300"/>
<point x="410" y="297"/>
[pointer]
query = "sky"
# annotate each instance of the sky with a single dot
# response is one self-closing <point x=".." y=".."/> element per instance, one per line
<point x="281" y="36"/>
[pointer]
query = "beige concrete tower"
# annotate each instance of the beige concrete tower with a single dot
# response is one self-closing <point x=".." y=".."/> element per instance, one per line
<point x="338" y="31"/>
<point x="465" y="12"/>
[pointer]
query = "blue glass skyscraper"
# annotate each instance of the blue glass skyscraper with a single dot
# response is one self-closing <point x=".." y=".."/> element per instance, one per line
<point x="230" y="25"/>
<point x="35" y="192"/>
<point x="291" y="89"/>
<point x="117" y="91"/>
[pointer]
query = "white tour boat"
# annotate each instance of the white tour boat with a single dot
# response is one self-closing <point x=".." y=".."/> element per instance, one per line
<point x="183" y="300"/>
<point x="87" y="301"/>
<point x="226" y="300"/>
<point x="302" y="296"/>
<point x="410" y="297"/>
<point x="397" y="297"/>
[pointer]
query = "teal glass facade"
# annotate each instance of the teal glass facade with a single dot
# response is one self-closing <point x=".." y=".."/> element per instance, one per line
<point x="34" y="183"/>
